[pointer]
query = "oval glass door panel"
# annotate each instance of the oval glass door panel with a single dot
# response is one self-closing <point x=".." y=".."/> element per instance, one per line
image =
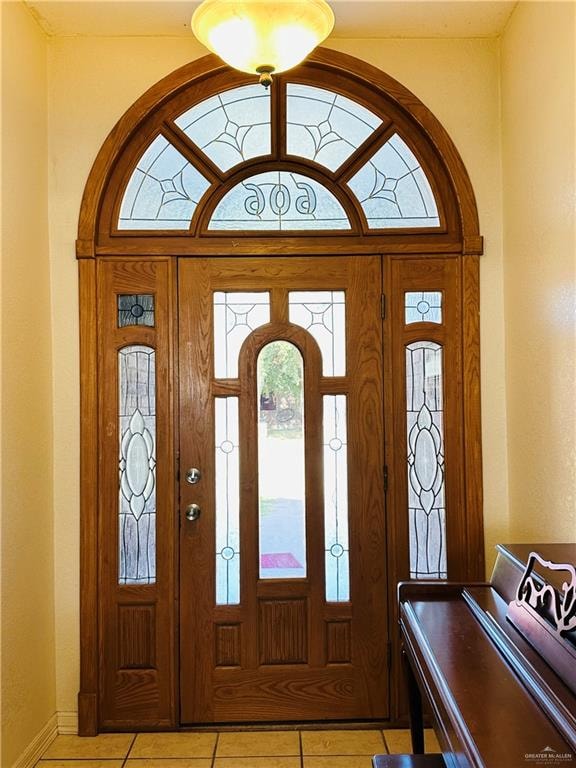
<point x="281" y="462"/>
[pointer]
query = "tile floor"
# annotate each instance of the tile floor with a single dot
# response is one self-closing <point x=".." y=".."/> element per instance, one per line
<point x="254" y="749"/>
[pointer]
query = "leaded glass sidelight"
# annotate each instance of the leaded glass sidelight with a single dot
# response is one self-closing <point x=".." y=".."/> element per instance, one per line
<point x="423" y="307"/>
<point x="279" y="201"/>
<point x="393" y="189"/>
<point x="163" y="191"/>
<point x="236" y="315"/>
<point x="425" y="438"/>
<point x="227" y="479"/>
<point x="323" y="315"/>
<point x="232" y="126"/>
<point x="337" y="555"/>
<point x="137" y="465"/>
<point x="324" y="126"/>
<point x="135" y="309"/>
<point x="281" y="463"/>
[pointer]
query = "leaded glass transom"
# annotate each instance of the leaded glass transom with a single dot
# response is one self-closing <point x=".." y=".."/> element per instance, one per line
<point x="323" y="314"/>
<point x="227" y="480"/>
<point x="137" y="465"/>
<point x="135" y="310"/>
<point x="163" y="191"/>
<point x="279" y="200"/>
<point x="423" y="307"/>
<point x="337" y="549"/>
<point x="425" y="436"/>
<point x="324" y="126"/>
<point x="232" y="126"/>
<point x="393" y="189"/>
<point x="236" y="315"/>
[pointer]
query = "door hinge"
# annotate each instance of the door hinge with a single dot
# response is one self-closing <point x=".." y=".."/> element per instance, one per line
<point x="385" y="474"/>
<point x="383" y="305"/>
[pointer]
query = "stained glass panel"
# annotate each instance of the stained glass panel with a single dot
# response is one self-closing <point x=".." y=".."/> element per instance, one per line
<point x="135" y="310"/>
<point x="279" y="200"/>
<point x="425" y="433"/>
<point x="336" y="499"/>
<point x="324" y="126"/>
<point x="227" y="479"/>
<point x="393" y="189"/>
<point x="137" y="465"/>
<point x="322" y="313"/>
<point x="236" y="315"/>
<point x="163" y="191"/>
<point x="281" y="467"/>
<point x="423" y="307"/>
<point x="232" y="126"/>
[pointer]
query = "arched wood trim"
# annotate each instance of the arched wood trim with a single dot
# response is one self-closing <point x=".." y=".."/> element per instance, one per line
<point x="207" y="72"/>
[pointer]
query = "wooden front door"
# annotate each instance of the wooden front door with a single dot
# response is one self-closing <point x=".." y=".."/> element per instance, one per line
<point x="283" y="610"/>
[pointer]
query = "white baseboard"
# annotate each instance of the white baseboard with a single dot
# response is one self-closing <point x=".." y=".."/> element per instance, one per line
<point x="68" y="723"/>
<point x="39" y="745"/>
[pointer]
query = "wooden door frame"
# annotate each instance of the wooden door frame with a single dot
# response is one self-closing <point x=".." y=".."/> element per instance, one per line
<point x="459" y="240"/>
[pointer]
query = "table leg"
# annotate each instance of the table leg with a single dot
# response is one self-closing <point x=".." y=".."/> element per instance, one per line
<point x="415" y="707"/>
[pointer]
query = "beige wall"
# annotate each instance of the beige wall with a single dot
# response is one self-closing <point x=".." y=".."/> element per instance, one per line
<point x="539" y="138"/>
<point x="27" y="595"/>
<point x="104" y="77"/>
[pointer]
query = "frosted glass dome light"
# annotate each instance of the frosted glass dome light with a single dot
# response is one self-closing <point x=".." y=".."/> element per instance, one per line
<point x="262" y="36"/>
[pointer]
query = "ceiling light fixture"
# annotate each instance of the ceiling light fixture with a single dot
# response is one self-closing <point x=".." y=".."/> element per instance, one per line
<point x="262" y="36"/>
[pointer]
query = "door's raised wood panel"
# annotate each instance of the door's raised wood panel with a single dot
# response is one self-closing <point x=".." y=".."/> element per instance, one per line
<point x="228" y="644"/>
<point x="283" y="628"/>
<point x="137" y="636"/>
<point x="338" y="642"/>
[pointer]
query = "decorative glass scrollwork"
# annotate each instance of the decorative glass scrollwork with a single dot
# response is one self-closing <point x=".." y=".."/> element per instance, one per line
<point x="137" y="465"/>
<point x="425" y="437"/>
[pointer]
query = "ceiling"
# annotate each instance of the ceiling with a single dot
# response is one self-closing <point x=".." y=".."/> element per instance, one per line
<point x="354" y="18"/>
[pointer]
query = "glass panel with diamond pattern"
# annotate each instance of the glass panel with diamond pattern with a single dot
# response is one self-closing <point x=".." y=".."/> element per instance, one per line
<point x="324" y="126"/>
<point x="425" y="438"/>
<point x="163" y="191"/>
<point x="227" y="480"/>
<point x="232" y="126"/>
<point x="322" y="314"/>
<point x="137" y="465"/>
<point x="393" y="189"/>
<point x="236" y="315"/>
<point x="281" y="201"/>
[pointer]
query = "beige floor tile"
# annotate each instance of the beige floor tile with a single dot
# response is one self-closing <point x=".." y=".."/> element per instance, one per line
<point x="173" y="745"/>
<point x="257" y="762"/>
<point x="338" y="761"/>
<point x="399" y="741"/>
<point x="106" y="745"/>
<point x="342" y="742"/>
<point x="258" y="743"/>
<point x="80" y="764"/>
<point x="169" y="762"/>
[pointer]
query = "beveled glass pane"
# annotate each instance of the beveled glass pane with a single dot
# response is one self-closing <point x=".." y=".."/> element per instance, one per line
<point x="227" y="479"/>
<point x="135" y="310"/>
<point x="393" y="189"/>
<point x="232" y="126"/>
<point x="323" y="314"/>
<point x="236" y="315"/>
<point x="425" y="437"/>
<point x="163" y="191"/>
<point x="324" y="126"/>
<point x="423" y="307"/>
<point x="279" y="200"/>
<point x="137" y="465"/>
<point x="281" y="463"/>
<point x="337" y="549"/>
